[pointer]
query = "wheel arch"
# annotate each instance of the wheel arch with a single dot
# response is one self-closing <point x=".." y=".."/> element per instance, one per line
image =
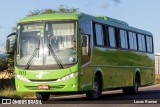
<point x="98" y="72"/>
<point x="138" y="74"/>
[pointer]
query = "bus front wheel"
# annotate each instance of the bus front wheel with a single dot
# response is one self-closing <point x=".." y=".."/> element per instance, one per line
<point x="96" y="92"/>
<point x="42" y="96"/>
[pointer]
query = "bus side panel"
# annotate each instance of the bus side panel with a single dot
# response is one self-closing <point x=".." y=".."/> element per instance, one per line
<point x="86" y="78"/>
<point x="113" y="65"/>
<point x="147" y="71"/>
<point x="147" y="76"/>
<point x="119" y="67"/>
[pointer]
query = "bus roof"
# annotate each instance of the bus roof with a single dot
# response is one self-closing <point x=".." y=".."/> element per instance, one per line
<point x="82" y="16"/>
<point x="52" y="16"/>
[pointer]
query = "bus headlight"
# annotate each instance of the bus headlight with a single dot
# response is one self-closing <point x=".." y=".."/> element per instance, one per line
<point x="68" y="76"/>
<point x="22" y="78"/>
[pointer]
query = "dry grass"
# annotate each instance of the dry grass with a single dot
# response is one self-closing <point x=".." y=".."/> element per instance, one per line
<point x="9" y="91"/>
<point x="5" y="74"/>
<point x="2" y="74"/>
<point x="13" y="94"/>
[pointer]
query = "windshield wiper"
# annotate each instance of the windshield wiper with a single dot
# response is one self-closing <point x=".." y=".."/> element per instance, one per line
<point x="32" y="56"/>
<point x="55" y="57"/>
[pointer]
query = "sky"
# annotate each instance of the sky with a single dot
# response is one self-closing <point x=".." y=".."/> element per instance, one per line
<point x="143" y="14"/>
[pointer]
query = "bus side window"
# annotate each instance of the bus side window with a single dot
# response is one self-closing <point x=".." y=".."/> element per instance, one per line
<point x="141" y="42"/>
<point x="149" y="44"/>
<point x="85" y="55"/>
<point x="123" y="39"/>
<point x="85" y="45"/>
<point x="112" y="38"/>
<point x="85" y="29"/>
<point x="132" y="41"/>
<point x="99" y="35"/>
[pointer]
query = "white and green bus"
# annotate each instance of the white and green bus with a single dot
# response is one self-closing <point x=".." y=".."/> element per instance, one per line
<point x="79" y="53"/>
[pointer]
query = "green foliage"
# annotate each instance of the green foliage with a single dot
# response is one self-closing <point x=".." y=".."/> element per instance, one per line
<point x="3" y="63"/>
<point x="10" y="60"/>
<point x="61" y="9"/>
<point x="34" y="12"/>
<point x="7" y="62"/>
<point x="46" y="11"/>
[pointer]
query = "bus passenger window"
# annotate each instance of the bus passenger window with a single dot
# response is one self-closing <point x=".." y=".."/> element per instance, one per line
<point x="99" y="35"/>
<point x="132" y="41"/>
<point x="141" y="42"/>
<point x="149" y="44"/>
<point x="123" y="38"/>
<point x="112" y="39"/>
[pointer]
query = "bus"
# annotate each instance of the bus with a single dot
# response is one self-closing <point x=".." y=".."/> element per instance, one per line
<point x="61" y="53"/>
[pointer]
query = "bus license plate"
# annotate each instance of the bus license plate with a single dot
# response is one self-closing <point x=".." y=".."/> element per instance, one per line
<point x="43" y="87"/>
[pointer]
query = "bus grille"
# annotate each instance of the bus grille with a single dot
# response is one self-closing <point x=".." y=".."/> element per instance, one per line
<point x="50" y="87"/>
<point x="49" y="80"/>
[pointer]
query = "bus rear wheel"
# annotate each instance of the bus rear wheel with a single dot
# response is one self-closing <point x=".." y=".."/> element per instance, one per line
<point x="134" y="89"/>
<point x="96" y="92"/>
<point x="42" y="96"/>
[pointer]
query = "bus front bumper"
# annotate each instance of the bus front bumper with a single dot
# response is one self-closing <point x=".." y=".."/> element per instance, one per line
<point x="69" y="85"/>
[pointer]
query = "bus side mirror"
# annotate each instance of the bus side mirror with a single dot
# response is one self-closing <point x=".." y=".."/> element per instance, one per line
<point x="10" y="43"/>
<point x="85" y="45"/>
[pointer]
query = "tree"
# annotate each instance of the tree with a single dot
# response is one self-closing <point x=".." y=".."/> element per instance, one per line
<point x="46" y="11"/>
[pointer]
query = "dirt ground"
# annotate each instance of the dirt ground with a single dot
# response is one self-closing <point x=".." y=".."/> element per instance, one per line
<point x="5" y="74"/>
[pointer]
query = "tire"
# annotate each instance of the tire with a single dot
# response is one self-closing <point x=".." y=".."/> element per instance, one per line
<point x="132" y="90"/>
<point x="97" y="89"/>
<point x="42" y="96"/>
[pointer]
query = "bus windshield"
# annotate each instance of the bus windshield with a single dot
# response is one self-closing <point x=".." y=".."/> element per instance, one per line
<point x="37" y="42"/>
